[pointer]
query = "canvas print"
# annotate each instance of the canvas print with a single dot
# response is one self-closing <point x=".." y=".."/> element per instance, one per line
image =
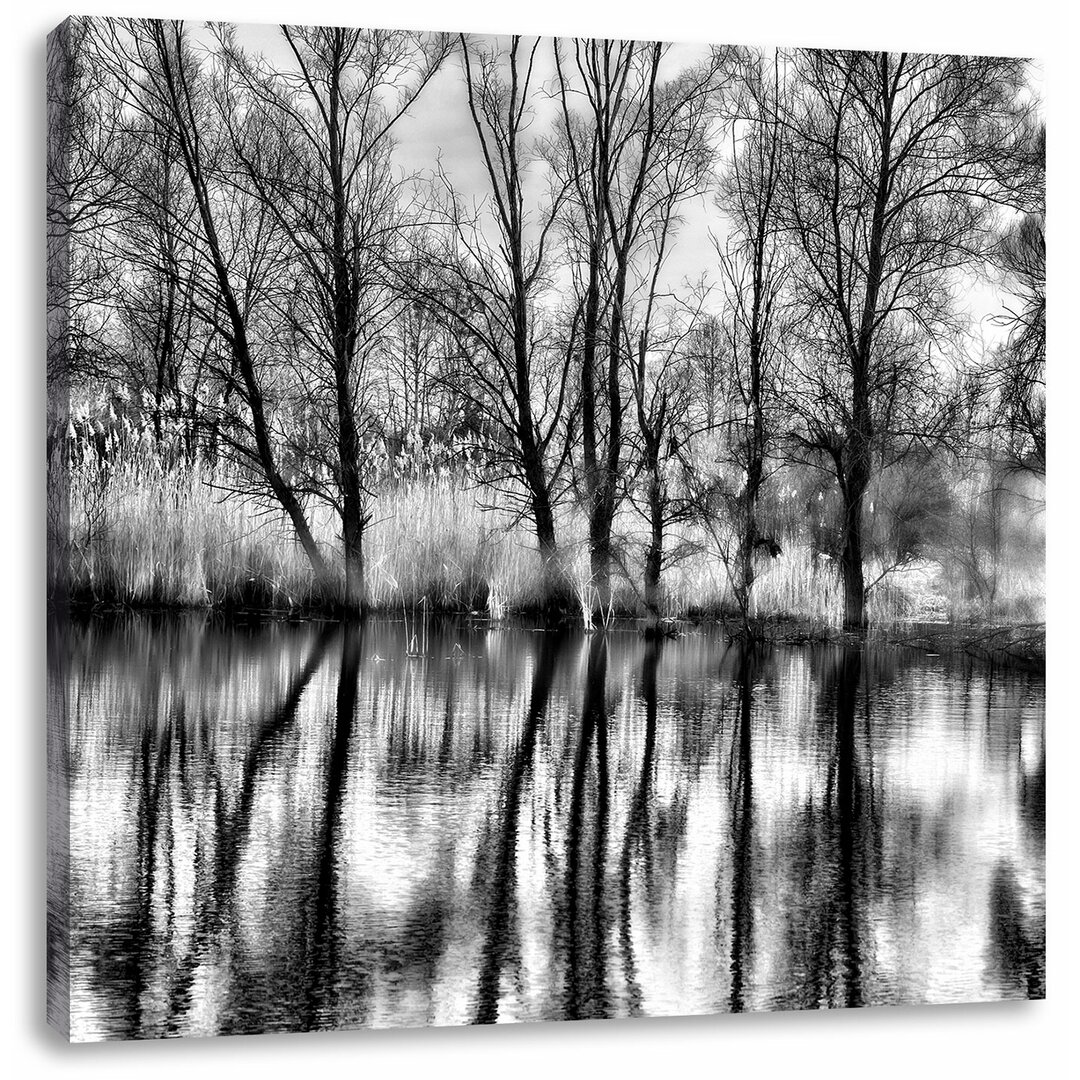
<point x="539" y="528"/>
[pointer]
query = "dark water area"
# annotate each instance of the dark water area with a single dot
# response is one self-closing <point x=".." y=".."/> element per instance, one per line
<point x="286" y="827"/>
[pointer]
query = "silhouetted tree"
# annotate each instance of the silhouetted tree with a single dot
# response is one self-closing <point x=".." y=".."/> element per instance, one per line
<point x="890" y="181"/>
<point x="486" y="279"/>
<point x="160" y="78"/>
<point x="313" y="142"/>
<point x="753" y="272"/>
<point x="620" y="152"/>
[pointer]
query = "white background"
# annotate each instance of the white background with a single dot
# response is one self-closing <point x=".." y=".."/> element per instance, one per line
<point x="1030" y="1039"/>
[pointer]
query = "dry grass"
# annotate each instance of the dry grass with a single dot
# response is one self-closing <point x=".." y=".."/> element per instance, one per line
<point x="146" y="533"/>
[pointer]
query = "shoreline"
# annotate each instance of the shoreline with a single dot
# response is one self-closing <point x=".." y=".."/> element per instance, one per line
<point x="1013" y="642"/>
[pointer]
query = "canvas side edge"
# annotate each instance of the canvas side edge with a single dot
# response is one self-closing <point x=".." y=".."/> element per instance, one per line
<point x="58" y="82"/>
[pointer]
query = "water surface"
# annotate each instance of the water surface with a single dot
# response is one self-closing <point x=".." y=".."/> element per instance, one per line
<point x="291" y="827"/>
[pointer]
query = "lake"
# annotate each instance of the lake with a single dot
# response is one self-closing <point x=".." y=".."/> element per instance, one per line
<point x="291" y="826"/>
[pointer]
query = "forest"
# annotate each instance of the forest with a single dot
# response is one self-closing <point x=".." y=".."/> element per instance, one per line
<point x="346" y="320"/>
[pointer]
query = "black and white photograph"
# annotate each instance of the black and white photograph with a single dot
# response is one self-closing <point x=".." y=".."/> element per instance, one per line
<point x="539" y="528"/>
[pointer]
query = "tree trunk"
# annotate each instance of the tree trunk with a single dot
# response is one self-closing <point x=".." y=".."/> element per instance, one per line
<point x="755" y="463"/>
<point x="851" y="559"/>
<point x="854" y="479"/>
<point x="654" y="553"/>
<point x="343" y="328"/>
<point x="598" y="554"/>
<point x="535" y="474"/>
<point x="744" y="561"/>
<point x="353" y="546"/>
<point x="600" y="559"/>
<point x="602" y="508"/>
<point x="744" y="583"/>
<point x="353" y="517"/>
<point x="544" y="522"/>
<point x="282" y="492"/>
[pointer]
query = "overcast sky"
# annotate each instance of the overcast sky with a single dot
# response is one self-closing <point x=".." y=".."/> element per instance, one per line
<point x="438" y="128"/>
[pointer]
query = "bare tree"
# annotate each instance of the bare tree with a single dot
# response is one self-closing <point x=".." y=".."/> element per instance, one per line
<point x="86" y="154"/>
<point x="661" y="379"/>
<point x="659" y="485"/>
<point x="1018" y="370"/>
<point x="889" y="185"/>
<point x="606" y="154"/>
<point x="486" y="276"/>
<point x="160" y="79"/>
<point x="616" y="151"/>
<point x="314" y="145"/>
<point x="753" y="271"/>
<point x="153" y="300"/>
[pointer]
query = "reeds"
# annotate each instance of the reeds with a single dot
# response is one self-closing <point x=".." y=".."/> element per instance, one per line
<point x="142" y="533"/>
<point x="145" y="531"/>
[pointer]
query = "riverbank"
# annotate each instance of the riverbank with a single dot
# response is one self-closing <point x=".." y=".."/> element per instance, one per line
<point x="1021" y="643"/>
<point x="1025" y="642"/>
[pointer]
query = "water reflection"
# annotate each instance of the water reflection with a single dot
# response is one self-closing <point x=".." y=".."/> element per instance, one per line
<point x="740" y="786"/>
<point x="291" y="827"/>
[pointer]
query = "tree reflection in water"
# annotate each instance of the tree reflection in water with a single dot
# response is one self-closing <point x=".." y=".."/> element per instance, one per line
<point x="290" y="827"/>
